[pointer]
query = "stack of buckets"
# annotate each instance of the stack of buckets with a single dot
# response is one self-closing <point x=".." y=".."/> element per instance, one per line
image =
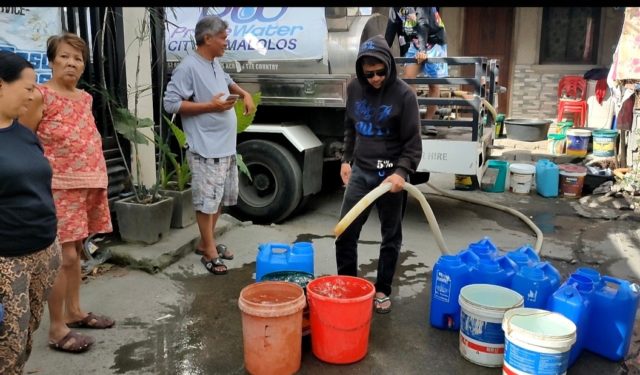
<point x="339" y="313"/>
<point x="512" y="311"/>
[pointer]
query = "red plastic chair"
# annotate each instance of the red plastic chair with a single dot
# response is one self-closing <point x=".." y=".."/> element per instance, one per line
<point x="572" y="94"/>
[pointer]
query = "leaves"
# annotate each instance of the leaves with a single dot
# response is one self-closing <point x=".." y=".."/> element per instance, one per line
<point x="245" y="120"/>
<point x="243" y="167"/>
<point x="127" y="125"/>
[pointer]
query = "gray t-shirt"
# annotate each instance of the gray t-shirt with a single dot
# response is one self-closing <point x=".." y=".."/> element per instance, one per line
<point x="213" y="134"/>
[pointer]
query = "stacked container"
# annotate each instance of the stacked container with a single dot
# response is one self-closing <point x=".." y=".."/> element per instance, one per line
<point x="274" y="257"/>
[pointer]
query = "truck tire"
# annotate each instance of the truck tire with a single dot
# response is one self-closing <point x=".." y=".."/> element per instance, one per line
<point x="276" y="186"/>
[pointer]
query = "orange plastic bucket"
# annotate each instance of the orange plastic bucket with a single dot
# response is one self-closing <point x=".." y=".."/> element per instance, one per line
<point x="272" y="327"/>
<point x="341" y="308"/>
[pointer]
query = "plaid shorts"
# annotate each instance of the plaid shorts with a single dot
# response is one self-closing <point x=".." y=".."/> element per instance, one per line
<point x="213" y="181"/>
<point x="432" y="70"/>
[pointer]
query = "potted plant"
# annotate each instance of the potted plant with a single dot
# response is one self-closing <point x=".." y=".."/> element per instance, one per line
<point x="145" y="215"/>
<point x="176" y="182"/>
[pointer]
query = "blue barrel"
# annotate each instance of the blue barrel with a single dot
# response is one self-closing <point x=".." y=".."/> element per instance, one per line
<point x="484" y="249"/>
<point x="450" y="274"/>
<point x="547" y="178"/>
<point x="613" y="313"/>
<point x="275" y="257"/>
<point x="524" y="256"/>
<point x="498" y="271"/>
<point x="536" y="284"/>
<point x="573" y="300"/>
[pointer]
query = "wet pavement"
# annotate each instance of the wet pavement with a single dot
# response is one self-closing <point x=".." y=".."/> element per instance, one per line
<point x="184" y="320"/>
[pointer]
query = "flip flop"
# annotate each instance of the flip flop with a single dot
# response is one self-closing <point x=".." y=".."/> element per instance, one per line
<point x="223" y="252"/>
<point x="92" y="321"/>
<point x="73" y="342"/>
<point x="212" y="264"/>
<point x="378" y="301"/>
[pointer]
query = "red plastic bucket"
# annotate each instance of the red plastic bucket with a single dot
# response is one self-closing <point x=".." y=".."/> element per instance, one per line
<point x="341" y="308"/>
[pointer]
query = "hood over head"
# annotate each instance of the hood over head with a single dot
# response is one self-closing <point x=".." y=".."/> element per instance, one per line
<point x="377" y="47"/>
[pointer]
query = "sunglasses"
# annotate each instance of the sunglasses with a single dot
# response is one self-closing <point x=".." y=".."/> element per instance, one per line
<point x="379" y="73"/>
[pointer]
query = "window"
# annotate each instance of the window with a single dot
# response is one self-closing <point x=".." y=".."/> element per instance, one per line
<point x="569" y="35"/>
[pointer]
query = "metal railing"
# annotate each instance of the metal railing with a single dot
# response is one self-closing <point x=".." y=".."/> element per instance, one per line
<point x="483" y="83"/>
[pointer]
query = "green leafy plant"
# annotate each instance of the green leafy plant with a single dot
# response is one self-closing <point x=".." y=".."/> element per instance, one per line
<point x="181" y="173"/>
<point x="243" y="123"/>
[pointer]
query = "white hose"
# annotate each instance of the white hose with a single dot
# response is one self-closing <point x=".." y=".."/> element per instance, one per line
<point x="431" y="219"/>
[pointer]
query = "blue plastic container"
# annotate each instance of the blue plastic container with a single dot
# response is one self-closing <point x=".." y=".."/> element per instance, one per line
<point x="484" y="249"/>
<point x="274" y="257"/>
<point x="614" y="305"/>
<point x="524" y="256"/>
<point x="503" y="169"/>
<point x="450" y="274"/>
<point x="536" y="284"/>
<point x="547" y="178"/>
<point x="573" y="300"/>
<point x="498" y="271"/>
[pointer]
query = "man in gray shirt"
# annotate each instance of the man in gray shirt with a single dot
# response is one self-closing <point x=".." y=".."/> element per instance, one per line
<point x="199" y="91"/>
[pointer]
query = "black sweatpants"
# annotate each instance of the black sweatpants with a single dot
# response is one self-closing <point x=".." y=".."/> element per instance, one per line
<point x="390" y="212"/>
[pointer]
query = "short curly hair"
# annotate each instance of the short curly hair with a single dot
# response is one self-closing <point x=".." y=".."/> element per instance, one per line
<point x="71" y="39"/>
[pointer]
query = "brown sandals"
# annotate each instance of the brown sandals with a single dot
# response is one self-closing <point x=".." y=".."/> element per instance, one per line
<point x="93" y="321"/>
<point x="73" y="342"/>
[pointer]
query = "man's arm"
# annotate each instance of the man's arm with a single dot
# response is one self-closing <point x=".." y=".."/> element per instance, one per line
<point x="410" y="136"/>
<point x="249" y="105"/>
<point x="349" y="141"/>
<point x="180" y="88"/>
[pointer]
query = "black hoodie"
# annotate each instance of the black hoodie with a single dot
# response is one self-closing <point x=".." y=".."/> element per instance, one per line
<point x="382" y="126"/>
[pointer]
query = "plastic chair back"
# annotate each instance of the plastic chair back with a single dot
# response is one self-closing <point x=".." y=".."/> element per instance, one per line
<point x="572" y="87"/>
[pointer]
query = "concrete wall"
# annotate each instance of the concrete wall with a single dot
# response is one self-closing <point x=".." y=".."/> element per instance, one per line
<point x="132" y="18"/>
<point x="534" y="86"/>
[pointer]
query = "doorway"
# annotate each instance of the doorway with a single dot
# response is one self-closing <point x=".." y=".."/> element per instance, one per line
<point x="488" y="31"/>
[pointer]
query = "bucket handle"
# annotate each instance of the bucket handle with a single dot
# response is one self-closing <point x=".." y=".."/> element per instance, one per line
<point x="280" y="247"/>
<point x="608" y="279"/>
<point x="540" y="313"/>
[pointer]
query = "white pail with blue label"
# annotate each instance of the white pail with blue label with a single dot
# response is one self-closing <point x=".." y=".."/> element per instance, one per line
<point x="537" y="342"/>
<point x="483" y="307"/>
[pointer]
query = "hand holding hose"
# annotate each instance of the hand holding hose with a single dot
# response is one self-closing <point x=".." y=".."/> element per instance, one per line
<point x="396" y="181"/>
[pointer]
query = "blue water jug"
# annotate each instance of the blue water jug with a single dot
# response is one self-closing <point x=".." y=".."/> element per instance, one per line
<point x="450" y="274"/>
<point x="614" y="307"/>
<point x="524" y="256"/>
<point x="484" y="249"/>
<point x="274" y="257"/>
<point x="536" y="284"/>
<point x="498" y="271"/>
<point x="547" y="178"/>
<point x="573" y="300"/>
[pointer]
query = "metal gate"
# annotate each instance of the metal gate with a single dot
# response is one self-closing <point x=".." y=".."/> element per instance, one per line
<point x="88" y="23"/>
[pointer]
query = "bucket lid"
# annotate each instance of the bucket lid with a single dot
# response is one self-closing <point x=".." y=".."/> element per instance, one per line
<point x="522" y="168"/>
<point x="539" y="327"/>
<point x="489" y="298"/>
<point x="579" y="132"/>
<point x="556" y="136"/>
<point x="572" y="170"/>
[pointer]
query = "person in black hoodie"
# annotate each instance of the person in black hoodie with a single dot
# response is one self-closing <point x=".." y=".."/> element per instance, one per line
<point x="382" y="144"/>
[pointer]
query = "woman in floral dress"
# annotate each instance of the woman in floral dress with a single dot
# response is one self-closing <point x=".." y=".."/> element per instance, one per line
<point x="61" y="117"/>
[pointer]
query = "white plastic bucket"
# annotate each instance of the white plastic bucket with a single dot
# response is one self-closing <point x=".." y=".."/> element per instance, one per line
<point x="521" y="177"/>
<point x="483" y="307"/>
<point x="537" y="342"/>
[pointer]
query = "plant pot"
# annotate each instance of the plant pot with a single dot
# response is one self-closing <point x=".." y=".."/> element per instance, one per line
<point x="146" y="223"/>
<point x="183" y="212"/>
